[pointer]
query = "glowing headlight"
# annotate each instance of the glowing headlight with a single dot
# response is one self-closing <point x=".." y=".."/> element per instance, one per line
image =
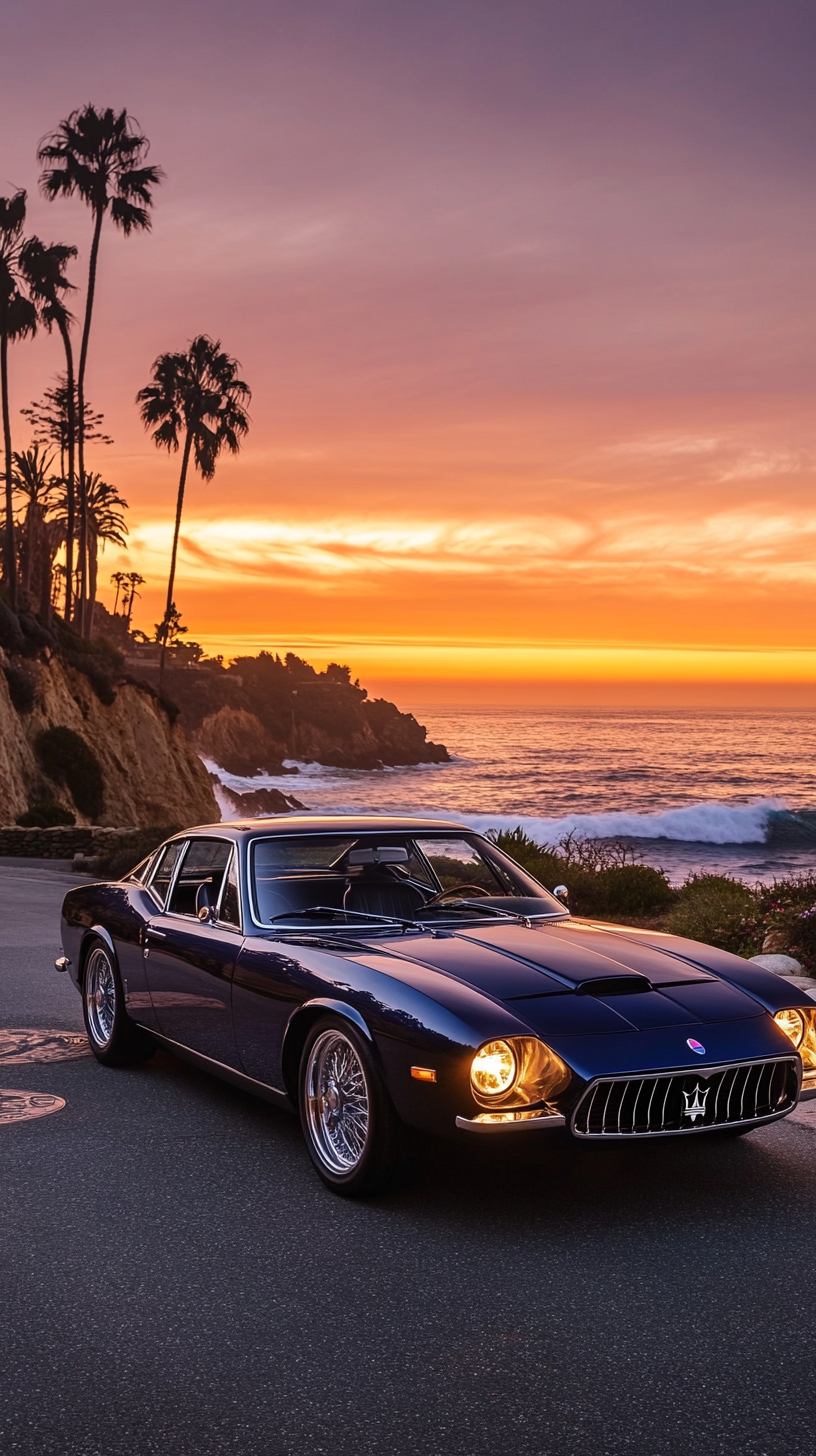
<point x="793" y="1025"/>
<point x="493" y="1069"/>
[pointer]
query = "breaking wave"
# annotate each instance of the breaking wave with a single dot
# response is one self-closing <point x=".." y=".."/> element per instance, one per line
<point x="763" y="822"/>
<point x="337" y="791"/>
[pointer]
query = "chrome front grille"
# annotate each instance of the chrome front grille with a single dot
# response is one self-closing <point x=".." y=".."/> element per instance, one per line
<point x="679" y="1102"/>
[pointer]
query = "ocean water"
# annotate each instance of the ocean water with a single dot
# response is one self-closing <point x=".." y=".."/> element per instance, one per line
<point x="720" y="791"/>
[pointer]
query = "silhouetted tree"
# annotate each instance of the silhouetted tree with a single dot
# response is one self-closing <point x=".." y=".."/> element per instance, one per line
<point x="197" y="398"/>
<point x="105" y="523"/>
<point x="118" y="580"/>
<point x="41" y="538"/>
<point x="99" y="156"/>
<point x="132" y="580"/>
<point x="45" y="267"/>
<point x="18" y="318"/>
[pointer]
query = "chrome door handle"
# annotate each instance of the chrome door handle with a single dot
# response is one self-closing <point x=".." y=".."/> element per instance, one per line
<point x="159" y="934"/>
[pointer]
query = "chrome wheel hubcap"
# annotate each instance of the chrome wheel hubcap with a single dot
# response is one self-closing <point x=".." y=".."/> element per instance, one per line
<point x="337" y="1102"/>
<point x="100" y="997"/>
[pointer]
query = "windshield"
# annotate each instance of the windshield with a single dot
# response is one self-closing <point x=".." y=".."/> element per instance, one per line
<point x="344" y="880"/>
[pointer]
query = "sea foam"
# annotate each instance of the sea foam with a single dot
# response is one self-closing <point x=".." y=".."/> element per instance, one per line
<point x="709" y="822"/>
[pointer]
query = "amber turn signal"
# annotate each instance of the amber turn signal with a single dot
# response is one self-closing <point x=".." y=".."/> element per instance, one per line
<point x="423" y="1074"/>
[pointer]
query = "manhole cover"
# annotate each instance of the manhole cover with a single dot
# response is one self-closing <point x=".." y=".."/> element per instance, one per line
<point x="27" y="1044"/>
<point x="16" y="1106"/>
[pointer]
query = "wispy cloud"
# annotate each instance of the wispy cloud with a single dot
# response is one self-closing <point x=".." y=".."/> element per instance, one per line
<point x="736" y="545"/>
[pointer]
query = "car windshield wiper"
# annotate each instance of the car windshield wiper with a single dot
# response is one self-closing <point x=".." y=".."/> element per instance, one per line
<point x="469" y="906"/>
<point x="349" y="915"/>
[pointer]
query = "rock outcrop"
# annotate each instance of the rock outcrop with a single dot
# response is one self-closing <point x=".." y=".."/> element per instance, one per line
<point x="258" y="803"/>
<point x="239" y="743"/>
<point x="150" y="772"/>
<point x="250" y="716"/>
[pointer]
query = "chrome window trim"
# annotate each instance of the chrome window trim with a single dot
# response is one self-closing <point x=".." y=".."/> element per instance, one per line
<point x="179" y="839"/>
<point x="704" y="1072"/>
<point x="234" y="859"/>
<point x="179" y="914"/>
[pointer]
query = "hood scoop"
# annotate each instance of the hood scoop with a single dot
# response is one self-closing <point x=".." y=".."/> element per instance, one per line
<point x="614" y="986"/>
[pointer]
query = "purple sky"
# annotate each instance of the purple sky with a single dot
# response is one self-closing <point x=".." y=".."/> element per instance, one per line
<point x="479" y="262"/>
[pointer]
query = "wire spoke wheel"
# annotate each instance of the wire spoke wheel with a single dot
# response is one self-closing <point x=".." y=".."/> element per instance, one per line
<point x="100" y="996"/>
<point x="337" y="1107"/>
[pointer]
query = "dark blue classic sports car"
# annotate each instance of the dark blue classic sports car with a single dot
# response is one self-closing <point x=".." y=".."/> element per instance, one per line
<point x="372" y="972"/>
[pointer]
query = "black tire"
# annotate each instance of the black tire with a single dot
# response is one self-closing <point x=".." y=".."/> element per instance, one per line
<point x="355" y="1143"/>
<point x="114" y="1039"/>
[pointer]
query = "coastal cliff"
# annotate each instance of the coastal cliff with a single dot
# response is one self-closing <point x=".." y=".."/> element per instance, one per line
<point x="251" y="716"/>
<point x="117" y="762"/>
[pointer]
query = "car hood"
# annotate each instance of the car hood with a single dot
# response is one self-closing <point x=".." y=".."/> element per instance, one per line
<point x="568" y="978"/>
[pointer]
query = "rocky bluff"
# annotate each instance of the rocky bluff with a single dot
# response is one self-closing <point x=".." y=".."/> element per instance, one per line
<point x="79" y="736"/>
<point x="261" y="710"/>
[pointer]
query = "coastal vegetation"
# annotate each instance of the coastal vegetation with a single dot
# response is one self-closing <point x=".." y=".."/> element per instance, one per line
<point x="605" y="880"/>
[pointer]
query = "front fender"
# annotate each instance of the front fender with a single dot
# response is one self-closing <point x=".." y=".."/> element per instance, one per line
<point x="297" y="1030"/>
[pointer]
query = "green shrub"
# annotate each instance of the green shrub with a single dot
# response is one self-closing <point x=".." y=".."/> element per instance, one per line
<point x="787" y="912"/>
<point x="718" y="910"/>
<point x="11" y="637"/>
<point x="171" y="709"/>
<point x="67" y="759"/>
<point x="630" y="889"/>
<point x="132" y="849"/>
<point x="46" y="814"/>
<point x="22" y="686"/>
<point x="602" y="876"/>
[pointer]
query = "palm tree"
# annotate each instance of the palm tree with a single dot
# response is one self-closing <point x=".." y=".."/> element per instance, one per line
<point x="105" y="523"/>
<point x="18" y="318"/>
<point x="34" y="481"/>
<point x="45" y="270"/>
<point x="129" y="595"/>
<point x="118" y="580"/>
<point x="99" y="156"/>
<point x="197" y="396"/>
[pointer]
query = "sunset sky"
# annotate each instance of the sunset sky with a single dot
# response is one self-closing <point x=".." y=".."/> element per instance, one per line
<point x="524" y="293"/>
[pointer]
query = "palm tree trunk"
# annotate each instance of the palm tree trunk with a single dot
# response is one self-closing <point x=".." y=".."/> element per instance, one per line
<point x="83" y="359"/>
<point x="28" y="551"/>
<point x="93" y="573"/>
<point x="9" y="555"/>
<point x="185" y="460"/>
<point x="71" y="483"/>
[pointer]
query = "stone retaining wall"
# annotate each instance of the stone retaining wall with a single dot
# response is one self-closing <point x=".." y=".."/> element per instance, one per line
<point x="60" y="843"/>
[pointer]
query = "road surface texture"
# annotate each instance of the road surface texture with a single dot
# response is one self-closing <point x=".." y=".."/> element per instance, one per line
<point x="176" y="1281"/>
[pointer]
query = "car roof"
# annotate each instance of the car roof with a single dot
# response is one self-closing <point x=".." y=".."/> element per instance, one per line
<point x="334" y="824"/>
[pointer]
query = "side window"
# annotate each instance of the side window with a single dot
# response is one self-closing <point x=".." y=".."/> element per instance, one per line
<point x="165" y="867"/>
<point x="205" y="863"/>
<point x="230" y="912"/>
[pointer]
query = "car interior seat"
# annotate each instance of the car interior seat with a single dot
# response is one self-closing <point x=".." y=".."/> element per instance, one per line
<point x="376" y="892"/>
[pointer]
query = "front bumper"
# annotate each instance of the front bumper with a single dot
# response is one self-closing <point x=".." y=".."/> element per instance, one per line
<point x="503" y="1122"/>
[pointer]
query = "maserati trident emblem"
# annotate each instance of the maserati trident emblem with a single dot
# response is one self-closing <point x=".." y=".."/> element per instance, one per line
<point x="696" y="1046"/>
<point x="696" y="1103"/>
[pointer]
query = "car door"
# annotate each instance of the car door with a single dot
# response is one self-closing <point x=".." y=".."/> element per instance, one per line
<point x="190" y="962"/>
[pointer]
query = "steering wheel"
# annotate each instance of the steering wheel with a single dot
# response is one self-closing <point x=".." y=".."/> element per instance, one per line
<point x="456" y="892"/>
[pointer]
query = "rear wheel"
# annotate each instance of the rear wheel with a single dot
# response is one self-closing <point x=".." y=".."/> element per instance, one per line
<point x="115" y="1040"/>
<point x="349" y="1123"/>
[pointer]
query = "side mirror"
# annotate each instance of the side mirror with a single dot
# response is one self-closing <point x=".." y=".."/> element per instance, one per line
<point x="561" y="893"/>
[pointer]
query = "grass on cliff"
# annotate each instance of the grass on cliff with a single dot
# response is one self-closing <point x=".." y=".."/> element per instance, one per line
<point x="607" y="882"/>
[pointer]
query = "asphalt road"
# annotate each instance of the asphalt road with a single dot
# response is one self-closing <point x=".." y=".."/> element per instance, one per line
<point x="176" y="1281"/>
